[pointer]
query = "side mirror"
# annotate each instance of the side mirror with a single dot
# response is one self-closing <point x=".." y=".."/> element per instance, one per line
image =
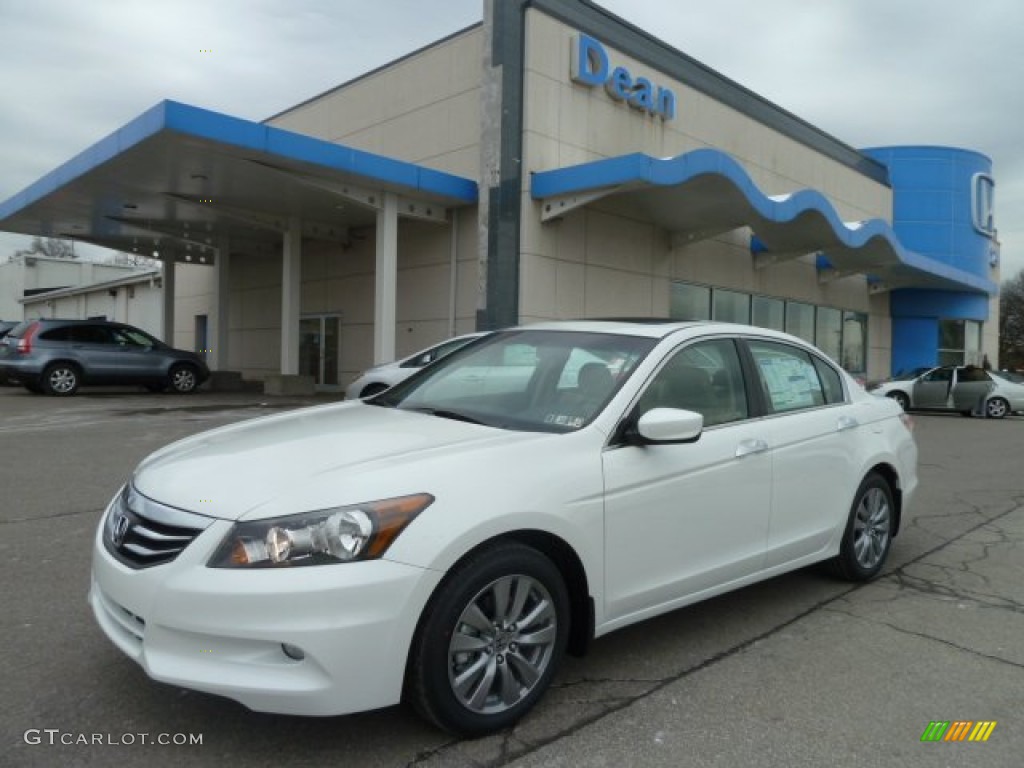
<point x="667" y="425"/>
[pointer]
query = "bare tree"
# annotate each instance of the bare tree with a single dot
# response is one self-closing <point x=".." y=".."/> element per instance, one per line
<point x="49" y="246"/>
<point x="1011" y="323"/>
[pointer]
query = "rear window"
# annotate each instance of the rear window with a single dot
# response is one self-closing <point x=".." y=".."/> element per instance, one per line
<point x="62" y="333"/>
<point x="18" y="331"/>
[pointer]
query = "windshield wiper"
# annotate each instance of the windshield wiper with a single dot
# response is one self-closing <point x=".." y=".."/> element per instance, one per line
<point x="445" y="414"/>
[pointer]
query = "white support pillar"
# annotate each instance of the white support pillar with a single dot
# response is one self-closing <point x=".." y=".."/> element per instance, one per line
<point x="218" y="339"/>
<point x="291" y="295"/>
<point x="169" y="265"/>
<point x="386" y="285"/>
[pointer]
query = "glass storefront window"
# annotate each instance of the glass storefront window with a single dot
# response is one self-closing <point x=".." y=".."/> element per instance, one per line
<point x="800" y="320"/>
<point x="768" y="313"/>
<point x="689" y="302"/>
<point x="951" y="342"/>
<point x="731" y="306"/>
<point x="855" y="334"/>
<point x="828" y="331"/>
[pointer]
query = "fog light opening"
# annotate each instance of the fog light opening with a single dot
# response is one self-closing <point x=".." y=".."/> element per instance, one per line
<point x="293" y="651"/>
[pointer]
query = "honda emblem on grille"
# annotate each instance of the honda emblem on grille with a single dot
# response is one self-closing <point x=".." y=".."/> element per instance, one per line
<point x="120" y="530"/>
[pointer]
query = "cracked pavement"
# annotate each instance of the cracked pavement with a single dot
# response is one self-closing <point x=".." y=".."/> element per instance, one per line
<point x="802" y="670"/>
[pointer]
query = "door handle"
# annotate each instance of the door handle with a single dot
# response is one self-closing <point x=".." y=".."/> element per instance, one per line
<point x="747" y="447"/>
<point x="846" y="422"/>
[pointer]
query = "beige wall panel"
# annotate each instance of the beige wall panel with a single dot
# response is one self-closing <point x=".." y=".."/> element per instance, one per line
<point x="423" y="293"/>
<point x="612" y="292"/>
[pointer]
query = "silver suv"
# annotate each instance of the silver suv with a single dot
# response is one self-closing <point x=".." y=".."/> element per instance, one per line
<point x="55" y="357"/>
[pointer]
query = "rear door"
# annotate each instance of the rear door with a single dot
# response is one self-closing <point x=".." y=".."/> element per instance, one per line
<point x="92" y="346"/>
<point x="971" y="386"/>
<point x="813" y="435"/>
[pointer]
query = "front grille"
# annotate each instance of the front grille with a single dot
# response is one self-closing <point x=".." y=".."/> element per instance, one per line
<point x="142" y="533"/>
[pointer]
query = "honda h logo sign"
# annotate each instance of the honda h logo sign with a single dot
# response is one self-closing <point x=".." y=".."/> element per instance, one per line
<point x="983" y="189"/>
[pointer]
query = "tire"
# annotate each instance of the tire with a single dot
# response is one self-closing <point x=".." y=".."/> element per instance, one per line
<point x="868" y="534"/>
<point x="996" y="408"/>
<point x="490" y="641"/>
<point x="901" y="398"/>
<point x="60" y="379"/>
<point x="372" y="389"/>
<point x="183" y="379"/>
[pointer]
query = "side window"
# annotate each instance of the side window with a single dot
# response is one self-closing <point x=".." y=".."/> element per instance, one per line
<point x="704" y="377"/>
<point x="91" y="334"/>
<point x="57" y="334"/>
<point x="939" y="374"/>
<point x="830" y="380"/>
<point x="788" y="377"/>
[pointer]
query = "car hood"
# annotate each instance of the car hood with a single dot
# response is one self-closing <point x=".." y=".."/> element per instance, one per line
<point x="268" y="466"/>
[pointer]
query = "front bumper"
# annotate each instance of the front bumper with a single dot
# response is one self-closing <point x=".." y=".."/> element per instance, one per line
<point x="222" y="631"/>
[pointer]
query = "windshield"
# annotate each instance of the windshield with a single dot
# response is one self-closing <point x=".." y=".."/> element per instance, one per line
<point x="541" y="381"/>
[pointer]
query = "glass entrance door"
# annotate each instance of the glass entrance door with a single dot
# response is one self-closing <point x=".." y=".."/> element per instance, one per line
<point x="318" y="350"/>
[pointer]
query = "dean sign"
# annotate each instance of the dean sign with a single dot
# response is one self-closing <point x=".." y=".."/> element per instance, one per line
<point x="590" y="66"/>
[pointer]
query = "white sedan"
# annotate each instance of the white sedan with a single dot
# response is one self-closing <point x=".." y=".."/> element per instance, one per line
<point x="968" y="389"/>
<point x="450" y="539"/>
<point x="375" y="380"/>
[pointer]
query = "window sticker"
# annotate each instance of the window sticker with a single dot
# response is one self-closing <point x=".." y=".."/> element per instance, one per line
<point x="791" y="382"/>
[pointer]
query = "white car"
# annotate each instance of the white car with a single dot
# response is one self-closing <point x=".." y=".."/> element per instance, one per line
<point x="450" y="539"/>
<point x="380" y="377"/>
<point x="968" y="389"/>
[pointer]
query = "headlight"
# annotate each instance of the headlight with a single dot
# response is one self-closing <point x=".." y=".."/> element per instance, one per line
<point x="337" y="535"/>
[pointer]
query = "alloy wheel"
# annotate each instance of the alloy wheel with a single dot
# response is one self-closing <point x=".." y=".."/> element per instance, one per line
<point x="501" y="644"/>
<point x="872" y="524"/>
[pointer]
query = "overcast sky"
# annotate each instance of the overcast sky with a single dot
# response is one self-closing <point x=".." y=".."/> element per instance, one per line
<point x="870" y="72"/>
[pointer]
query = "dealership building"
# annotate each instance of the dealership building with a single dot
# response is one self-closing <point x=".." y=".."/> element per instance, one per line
<point x="552" y="161"/>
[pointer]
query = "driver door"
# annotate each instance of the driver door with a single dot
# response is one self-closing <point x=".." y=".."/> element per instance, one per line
<point x="932" y="389"/>
<point x="683" y="518"/>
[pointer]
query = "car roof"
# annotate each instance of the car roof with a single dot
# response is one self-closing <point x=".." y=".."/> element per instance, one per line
<point x="655" y="328"/>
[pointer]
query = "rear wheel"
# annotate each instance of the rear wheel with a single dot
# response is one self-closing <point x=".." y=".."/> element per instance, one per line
<point x="901" y="398"/>
<point x="61" y="379"/>
<point x="183" y="379"/>
<point x="490" y="641"/>
<point x="868" y="534"/>
<point x="996" y="408"/>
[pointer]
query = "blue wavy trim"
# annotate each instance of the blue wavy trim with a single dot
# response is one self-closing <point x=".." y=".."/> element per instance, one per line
<point x="638" y="169"/>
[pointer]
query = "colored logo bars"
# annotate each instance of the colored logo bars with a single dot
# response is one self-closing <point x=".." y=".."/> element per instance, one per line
<point x="958" y="730"/>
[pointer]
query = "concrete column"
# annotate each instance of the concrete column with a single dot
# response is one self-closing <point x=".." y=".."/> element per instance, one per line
<point x="386" y="285"/>
<point x="168" y="300"/>
<point x="218" y="338"/>
<point x="121" y="304"/>
<point x="291" y="295"/>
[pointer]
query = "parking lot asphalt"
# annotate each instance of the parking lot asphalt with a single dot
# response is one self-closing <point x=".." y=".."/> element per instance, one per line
<point x="801" y="670"/>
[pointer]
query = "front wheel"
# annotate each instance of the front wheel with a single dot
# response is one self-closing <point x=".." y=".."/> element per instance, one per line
<point x="868" y="533"/>
<point x="183" y="379"/>
<point x="490" y="641"/>
<point x="996" y="408"/>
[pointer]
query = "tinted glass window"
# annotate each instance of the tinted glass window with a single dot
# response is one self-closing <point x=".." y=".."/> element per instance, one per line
<point x="56" y="334"/>
<point x="788" y="377"/>
<point x="939" y="374"/>
<point x="704" y="377"/>
<point x="91" y="334"/>
<point x="800" y="320"/>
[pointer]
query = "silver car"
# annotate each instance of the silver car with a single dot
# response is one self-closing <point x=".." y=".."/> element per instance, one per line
<point x="375" y="380"/>
<point x="966" y="389"/>
<point x="56" y="357"/>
